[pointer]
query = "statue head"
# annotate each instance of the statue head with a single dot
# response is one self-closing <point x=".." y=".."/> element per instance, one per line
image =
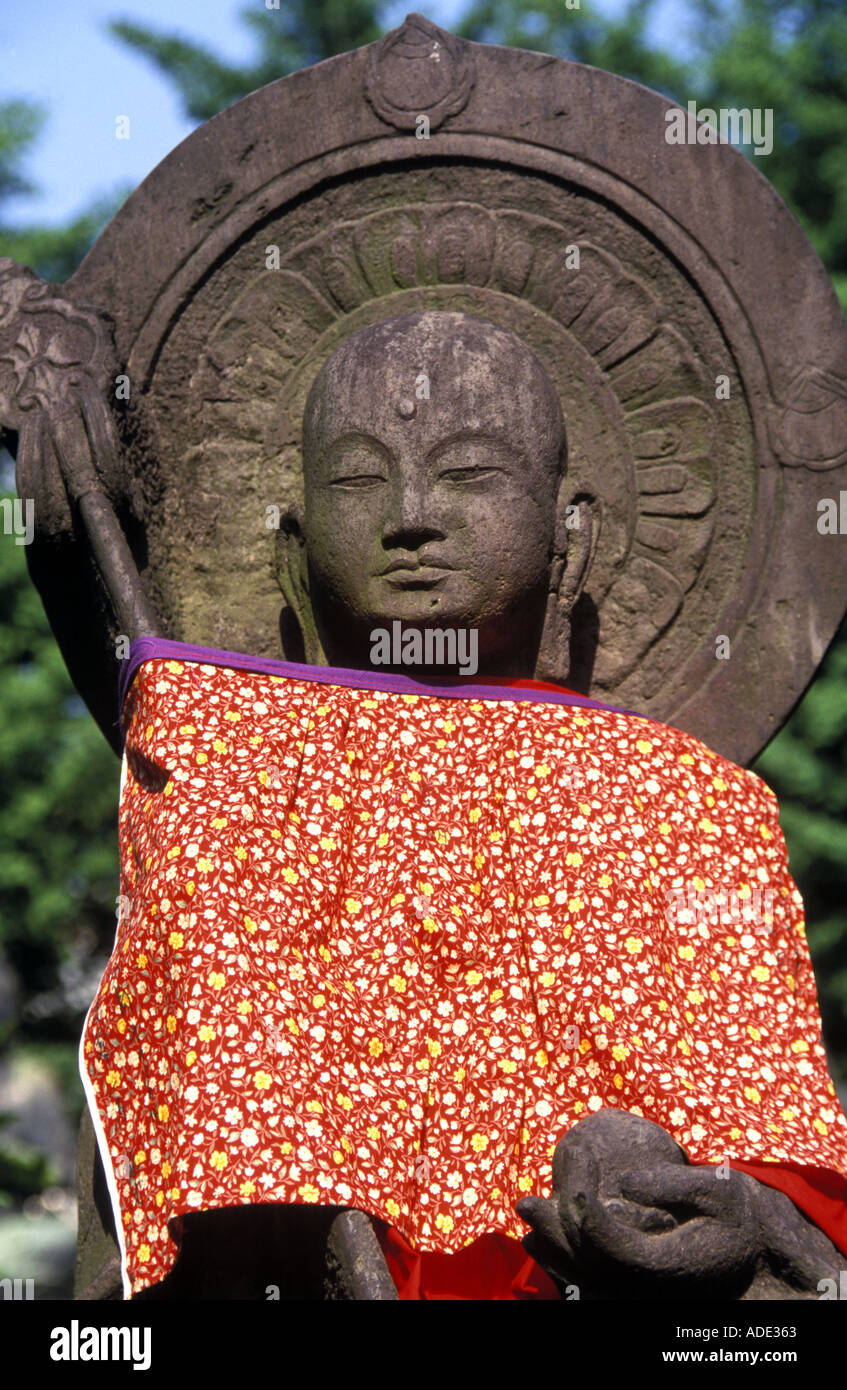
<point x="434" y="459"/>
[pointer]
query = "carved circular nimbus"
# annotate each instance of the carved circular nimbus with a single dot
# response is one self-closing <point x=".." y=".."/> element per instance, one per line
<point x="632" y="351"/>
<point x="683" y="318"/>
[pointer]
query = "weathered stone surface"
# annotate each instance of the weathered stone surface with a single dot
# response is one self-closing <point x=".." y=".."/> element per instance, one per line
<point x="98" y="1264"/>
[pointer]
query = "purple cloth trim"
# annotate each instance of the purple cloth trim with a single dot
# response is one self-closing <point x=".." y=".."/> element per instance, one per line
<point x="149" y="648"/>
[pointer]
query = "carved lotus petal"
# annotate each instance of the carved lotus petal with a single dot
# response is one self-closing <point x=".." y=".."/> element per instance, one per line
<point x="672" y="490"/>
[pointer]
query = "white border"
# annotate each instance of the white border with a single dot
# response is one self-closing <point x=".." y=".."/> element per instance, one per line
<point x="100" y="1134"/>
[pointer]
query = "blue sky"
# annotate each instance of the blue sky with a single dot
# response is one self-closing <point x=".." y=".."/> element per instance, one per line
<point x="60" y="54"/>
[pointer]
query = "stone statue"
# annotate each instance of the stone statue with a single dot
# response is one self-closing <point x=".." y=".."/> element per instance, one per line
<point x="549" y="394"/>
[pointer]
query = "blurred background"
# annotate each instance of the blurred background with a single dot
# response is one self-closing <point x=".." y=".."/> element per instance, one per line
<point x="70" y="71"/>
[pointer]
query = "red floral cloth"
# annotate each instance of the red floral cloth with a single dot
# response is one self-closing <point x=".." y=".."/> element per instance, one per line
<point x="383" y="949"/>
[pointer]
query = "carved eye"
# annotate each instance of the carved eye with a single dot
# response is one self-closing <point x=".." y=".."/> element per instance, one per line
<point x="473" y="461"/>
<point x="469" y="474"/>
<point x="357" y="480"/>
<point x="355" y="465"/>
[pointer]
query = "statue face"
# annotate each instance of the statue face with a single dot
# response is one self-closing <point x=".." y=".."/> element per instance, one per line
<point x="431" y="454"/>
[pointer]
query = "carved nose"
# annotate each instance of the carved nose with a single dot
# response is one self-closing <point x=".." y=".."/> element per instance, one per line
<point x="410" y="522"/>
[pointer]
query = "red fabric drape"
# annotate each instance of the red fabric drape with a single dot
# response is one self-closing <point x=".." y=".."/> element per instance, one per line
<point x="497" y="1268"/>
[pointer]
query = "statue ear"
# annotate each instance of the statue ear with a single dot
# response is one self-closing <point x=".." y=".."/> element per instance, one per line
<point x="575" y="541"/>
<point x="574" y="544"/>
<point x="292" y="575"/>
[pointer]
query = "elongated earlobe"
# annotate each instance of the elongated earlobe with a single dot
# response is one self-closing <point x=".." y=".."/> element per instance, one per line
<point x="574" y="545"/>
<point x="297" y="623"/>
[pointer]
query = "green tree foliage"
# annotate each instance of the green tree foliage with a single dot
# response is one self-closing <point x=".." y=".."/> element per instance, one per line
<point x="20" y="123"/>
<point x="53" y="252"/>
<point x="294" y="36"/>
<point x="57" y="819"/>
<point x="58" y="848"/>
<point x="806" y="765"/>
<point x="620" y="45"/>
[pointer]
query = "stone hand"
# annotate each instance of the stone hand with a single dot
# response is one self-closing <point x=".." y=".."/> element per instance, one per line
<point x="630" y="1217"/>
<point x="57" y="374"/>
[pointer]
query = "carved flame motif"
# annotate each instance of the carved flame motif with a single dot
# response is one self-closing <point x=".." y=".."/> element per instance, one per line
<point x="811" y="428"/>
<point x="418" y="70"/>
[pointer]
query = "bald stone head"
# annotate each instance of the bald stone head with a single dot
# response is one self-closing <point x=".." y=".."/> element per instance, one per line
<point x="433" y="448"/>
